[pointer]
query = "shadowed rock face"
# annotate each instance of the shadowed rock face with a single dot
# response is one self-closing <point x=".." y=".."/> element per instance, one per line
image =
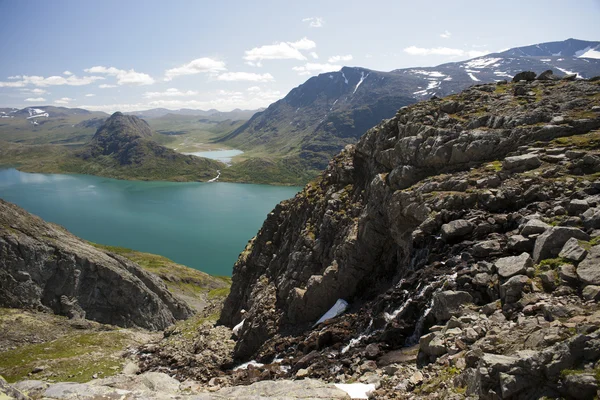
<point x="45" y="267"/>
<point x="366" y="223"/>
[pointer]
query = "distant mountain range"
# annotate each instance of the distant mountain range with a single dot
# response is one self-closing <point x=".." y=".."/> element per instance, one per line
<point x="316" y="119"/>
<point x="235" y="114"/>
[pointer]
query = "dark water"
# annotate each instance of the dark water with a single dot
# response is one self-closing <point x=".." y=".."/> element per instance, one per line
<point x="201" y="225"/>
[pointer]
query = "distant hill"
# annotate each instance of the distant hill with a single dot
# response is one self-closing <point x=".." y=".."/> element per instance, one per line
<point x="122" y="147"/>
<point x="236" y="114"/>
<point x="318" y="118"/>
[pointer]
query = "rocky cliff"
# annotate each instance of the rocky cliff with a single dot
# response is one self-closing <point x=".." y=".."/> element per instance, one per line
<point x="464" y="223"/>
<point x="42" y="266"/>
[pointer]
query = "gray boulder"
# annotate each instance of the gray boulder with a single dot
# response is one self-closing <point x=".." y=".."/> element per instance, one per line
<point x="511" y="266"/>
<point x="576" y="207"/>
<point x="568" y="274"/>
<point x="485" y="248"/>
<point x="580" y="386"/>
<point x="591" y="292"/>
<point x="588" y="270"/>
<point x="551" y="242"/>
<point x="43" y="266"/>
<point x="591" y="218"/>
<point x="547" y="75"/>
<point x="573" y="251"/>
<point x="432" y="344"/>
<point x="519" y="243"/>
<point x="448" y="303"/>
<point x="524" y="76"/>
<point x="456" y="229"/>
<point x="533" y="227"/>
<point x="512" y="290"/>
<point x="521" y="163"/>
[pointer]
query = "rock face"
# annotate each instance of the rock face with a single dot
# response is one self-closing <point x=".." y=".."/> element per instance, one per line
<point x="43" y="266"/>
<point x="358" y="230"/>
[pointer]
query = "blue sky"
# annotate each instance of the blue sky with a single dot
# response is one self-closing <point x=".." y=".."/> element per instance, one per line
<point x="131" y="55"/>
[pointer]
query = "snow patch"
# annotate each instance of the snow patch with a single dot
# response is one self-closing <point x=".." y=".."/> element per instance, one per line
<point x="254" y="363"/>
<point x="433" y="74"/>
<point x="39" y="115"/>
<point x="590" y="54"/>
<point x="557" y="54"/>
<point x="566" y="71"/>
<point x="578" y="53"/>
<point x="431" y="85"/>
<point x="481" y="62"/>
<point x="546" y="59"/>
<point x="345" y="79"/>
<point x="501" y="73"/>
<point x="338" y="308"/>
<point x="473" y="77"/>
<point x="362" y="78"/>
<point x="357" y="390"/>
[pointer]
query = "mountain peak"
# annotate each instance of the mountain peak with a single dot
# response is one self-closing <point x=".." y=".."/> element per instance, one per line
<point x="120" y="124"/>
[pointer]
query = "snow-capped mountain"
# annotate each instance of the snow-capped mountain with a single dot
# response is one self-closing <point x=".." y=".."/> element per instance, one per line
<point x="316" y="119"/>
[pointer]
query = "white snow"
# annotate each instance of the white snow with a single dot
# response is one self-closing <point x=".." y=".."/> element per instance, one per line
<point x="481" y="62"/>
<point x="246" y="365"/>
<point x="431" y="85"/>
<point x="502" y="73"/>
<point x="214" y="180"/>
<point x="448" y="78"/>
<point x="473" y="77"/>
<point x="557" y="54"/>
<point x="578" y="53"/>
<point x="362" y="78"/>
<point x="356" y="390"/>
<point x="546" y="59"/>
<point x="433" y="74"/>
<point x="566" y="71"/>
<point x="345" y="79"/>
<point x="590" y="54"/>
<point x="338" y="308"/>
<point x="39" y="115"/>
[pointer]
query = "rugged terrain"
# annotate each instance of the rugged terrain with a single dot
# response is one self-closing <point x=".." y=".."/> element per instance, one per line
<point x="317" y="119"/>
<point x="467" y="224"/>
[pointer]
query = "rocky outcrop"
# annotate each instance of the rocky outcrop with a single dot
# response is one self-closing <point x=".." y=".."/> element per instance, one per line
<point x="42" y="266"/>
<point x="372" y="217"/>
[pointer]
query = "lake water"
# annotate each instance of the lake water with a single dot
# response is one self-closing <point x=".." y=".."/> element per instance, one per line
<point x="224" y="156"/>
<point x="201" y="225"/>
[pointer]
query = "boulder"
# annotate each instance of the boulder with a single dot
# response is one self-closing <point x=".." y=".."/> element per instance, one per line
<point x="547" y="75"/>
<point x="591" y="218"/>
<point x="448" y="303"/>
<point x="511" y="266"/>
<point x="576" y="207"/>
<point x="519" y="243"/>
<point x="591" y="292"/>
<point x="548" y="279"/>
<point x="533" y="227"/>
<point x="521" y="163"/>
<point x="568" y="274"/>
<point x="456" y="229"/>
<point x="512" y="290"/>
<point x="573" y="251"/>
<point x="524" y="76"/>
<point x="432" y="344"/>
<point x="9" y="392"/>
<point x="551" y="242"/>
<point x="569" y="77"/>
<point x="588" y="270"/>
<point x="486" y="248"/>
<point x="580" y="386"/>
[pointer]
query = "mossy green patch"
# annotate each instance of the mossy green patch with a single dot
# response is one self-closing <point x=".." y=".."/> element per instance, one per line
<point x="72" y="358"/>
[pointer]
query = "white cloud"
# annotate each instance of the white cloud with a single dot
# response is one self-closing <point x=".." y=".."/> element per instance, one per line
<point x="245" y="76"/>
<point x="35" y="99"/>
<point x="35" y="91"/>
<point x="368" y="55"/>
<point x="443" y="51"/>
<point x="124" y="77"/>
<point x="253" y="89"/>
<point x="445" y="35"/>
<point x="334" y="59"/>
<point x="171" y="92"/>
<point x="315" y="68"/>
<point x="279" y="51"/>
<point x="197" y="66"/>
<point x="314" y="22"/>
<point x="106" y="86"/>
<point x="90" y="95"/>
<point x="67" y="73"/>
<point x="64" y="100"/>
<point x="34" y="80"/>
<point x="314" y="55"/>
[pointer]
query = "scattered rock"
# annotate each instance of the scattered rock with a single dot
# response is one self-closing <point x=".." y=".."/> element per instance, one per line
<point x="521" y="163"/>
<point x="448" y="303"/>
<point x="551" y="242"/>
<point x="456" y="229"/>
<point x="534" y="226"/>
<point x="573" y="251"/>
<point x="588" y="270"/>
<point x="525" y="76"/>
<point x="511" y="266"/>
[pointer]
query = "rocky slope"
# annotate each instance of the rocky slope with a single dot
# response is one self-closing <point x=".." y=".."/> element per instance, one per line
<point x="466" y="224"/>
<point x="42" y="266"/>
<point x="317" y="119"/>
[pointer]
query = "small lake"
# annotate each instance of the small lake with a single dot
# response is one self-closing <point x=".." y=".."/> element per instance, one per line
<point x="224" y="156"/>
<point x="201" y="225"/>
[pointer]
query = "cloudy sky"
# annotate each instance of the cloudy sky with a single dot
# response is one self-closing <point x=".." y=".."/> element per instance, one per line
<point x="131" y="55"/>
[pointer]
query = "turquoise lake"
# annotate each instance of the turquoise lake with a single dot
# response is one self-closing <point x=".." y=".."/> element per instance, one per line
<point x="201" y="225"/>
